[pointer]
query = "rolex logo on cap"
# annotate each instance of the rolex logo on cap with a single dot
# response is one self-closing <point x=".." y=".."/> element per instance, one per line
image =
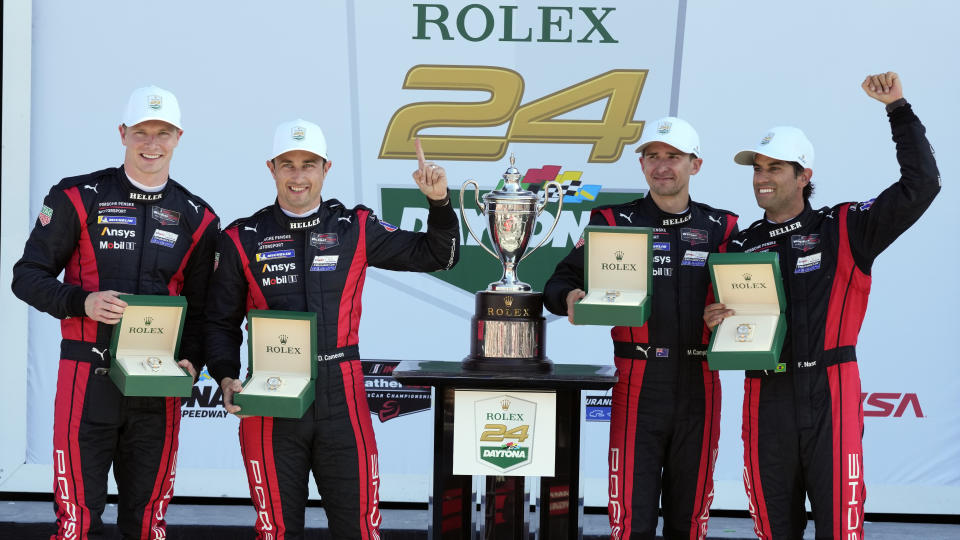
<point x="154" y="101"/>
<point x="297" y="133"/>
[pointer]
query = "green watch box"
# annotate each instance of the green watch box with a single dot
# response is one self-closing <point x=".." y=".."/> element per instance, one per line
<point x="618" y="276"/>
<point x="750" y="284"/>
<point x="146" y="345"/>
<point x="281" y="364"/>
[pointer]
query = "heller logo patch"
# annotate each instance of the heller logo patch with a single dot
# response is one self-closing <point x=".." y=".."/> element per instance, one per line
<point x="808" y="263"/>
<point x="694" y="258"/>
<point x="324" y="241"/>
<point x="324" y="263"/>
<point x="805" y="243"/>
<point x="297" y="225"/>
<point x="694" y="236"/>
<point x="46" y="214"/>
<point x="117" y="220"/>
<point x="164" y="216"/>
<point x="792" y="227"/>
<point x="506" y="425"/>
<point x="164" y="238"/>
<point x="134" y="196"/>
<point x="271" y="255"/>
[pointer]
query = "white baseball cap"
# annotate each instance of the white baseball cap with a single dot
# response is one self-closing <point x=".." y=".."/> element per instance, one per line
<point x="673" y="131"/>
<point x="299" y="135"/>
<point x="152" y="103"/>
<point x="785" y="143"/>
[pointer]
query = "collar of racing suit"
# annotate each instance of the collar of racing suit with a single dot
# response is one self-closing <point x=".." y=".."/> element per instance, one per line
<point x="664" y="219"/>
<point x="775" y="230"/>
<point x="136" y="194"/>
<point x="297" y="224"/>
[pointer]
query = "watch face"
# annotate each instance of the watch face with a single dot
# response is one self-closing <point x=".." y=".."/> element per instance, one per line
<point x="743" y="329"/>
<point x="274" y="383"/>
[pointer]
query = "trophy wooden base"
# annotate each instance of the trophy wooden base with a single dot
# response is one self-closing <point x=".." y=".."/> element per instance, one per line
<point x="507" y="333"/>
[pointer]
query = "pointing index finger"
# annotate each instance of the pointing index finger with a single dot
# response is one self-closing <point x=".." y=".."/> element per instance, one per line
<point x="420" y="159"/>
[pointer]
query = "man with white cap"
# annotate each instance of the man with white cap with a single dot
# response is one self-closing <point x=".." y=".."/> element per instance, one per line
<point x="666" y="406"/>
<point x="325" y="250"/>
<point x="132" y="230"/>
<point x="803" y="422"/>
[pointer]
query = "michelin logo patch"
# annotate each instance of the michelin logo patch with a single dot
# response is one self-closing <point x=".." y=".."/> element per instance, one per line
<point x="808" y="264"/>
<point x="271" y="255"/>
<point x="117" y="220"/>
<point x="694" y="258"/>
<point x="324" y="263"/>
<point x="164" y="238"/>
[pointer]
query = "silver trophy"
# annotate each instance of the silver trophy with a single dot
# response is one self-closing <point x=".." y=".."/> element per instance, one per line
<point x="508" y="327"/>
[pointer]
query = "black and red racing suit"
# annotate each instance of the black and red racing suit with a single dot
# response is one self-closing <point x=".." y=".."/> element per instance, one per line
<point x="802" y="428"/>
<point x="317" y="263"/>
<point x="665" y="420"/>
<point x="105" y="234"/>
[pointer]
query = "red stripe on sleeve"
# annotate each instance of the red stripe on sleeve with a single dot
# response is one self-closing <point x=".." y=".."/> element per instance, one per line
<point x="348" y="318"/>
<point x="848" y="297"/>
<point x="82" y="271"/>
<point x="255" y="298"/>
<point x="176" y="282"/>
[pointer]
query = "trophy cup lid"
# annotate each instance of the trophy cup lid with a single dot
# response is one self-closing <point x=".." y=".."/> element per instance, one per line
<point x="511" y="191"/>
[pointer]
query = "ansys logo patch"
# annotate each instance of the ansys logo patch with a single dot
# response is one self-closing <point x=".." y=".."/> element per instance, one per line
<point x="407" y="208"/>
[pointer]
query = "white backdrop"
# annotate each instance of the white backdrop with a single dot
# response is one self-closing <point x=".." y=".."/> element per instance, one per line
<point x="732" y="69"/>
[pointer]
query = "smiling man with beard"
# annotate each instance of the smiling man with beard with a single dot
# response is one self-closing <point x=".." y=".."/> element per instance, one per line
<point x="803" y="426"/>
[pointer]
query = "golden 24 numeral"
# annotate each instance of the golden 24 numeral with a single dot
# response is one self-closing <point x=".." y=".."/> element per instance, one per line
<point x="533" y="122"/>
<point x="499" y="432"/>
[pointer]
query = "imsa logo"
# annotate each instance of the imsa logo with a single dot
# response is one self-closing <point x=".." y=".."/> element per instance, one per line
<point x="506" y="439"/>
